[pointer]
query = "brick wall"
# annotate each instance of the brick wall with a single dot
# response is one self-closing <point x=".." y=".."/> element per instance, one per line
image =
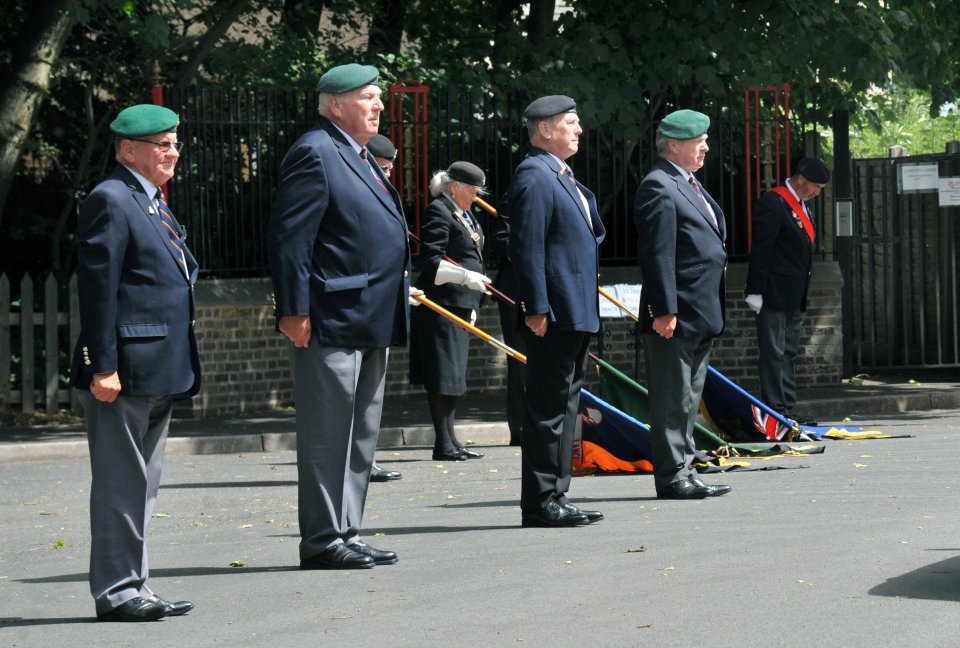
<point x="246" y="363"/>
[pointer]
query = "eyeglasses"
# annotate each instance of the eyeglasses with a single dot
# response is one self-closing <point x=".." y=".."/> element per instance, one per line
<point x="387" y="168"/>
<point x="163" y="146"/>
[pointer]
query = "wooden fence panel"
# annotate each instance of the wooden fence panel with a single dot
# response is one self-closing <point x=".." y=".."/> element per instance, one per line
<point x="4" y="344"/>
<point x="27" y="402"/>
<point x="51" y="320"/>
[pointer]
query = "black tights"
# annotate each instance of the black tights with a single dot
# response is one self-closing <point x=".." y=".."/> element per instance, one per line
<point x="443" y="410"/>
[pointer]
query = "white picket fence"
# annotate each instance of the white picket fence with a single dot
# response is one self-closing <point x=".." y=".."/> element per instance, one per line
<point x="35" y="327"/>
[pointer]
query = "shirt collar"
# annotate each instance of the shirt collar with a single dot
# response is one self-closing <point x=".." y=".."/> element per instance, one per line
<point x="353" y="142"/>
<point x="686" y="174"/>
<point x="149" y="188"/>
<point x="792" y="190"/>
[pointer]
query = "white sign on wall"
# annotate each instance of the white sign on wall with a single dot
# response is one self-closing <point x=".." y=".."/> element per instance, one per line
<point x="915" y="178"/>
<point x="629" y="296"/>
<point x="949" y="192"/>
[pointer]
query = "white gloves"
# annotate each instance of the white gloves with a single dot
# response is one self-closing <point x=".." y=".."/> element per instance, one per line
<point x="450" y="273"/>
<point x="473" y="317"/>
<point x="414" y="292"/>
<point x="755" y="302"/>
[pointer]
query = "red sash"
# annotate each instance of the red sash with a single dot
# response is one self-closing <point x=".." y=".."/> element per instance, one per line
<point x="798" y="209"/>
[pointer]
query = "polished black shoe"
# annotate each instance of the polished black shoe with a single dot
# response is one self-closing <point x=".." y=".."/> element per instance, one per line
<point x="805" y="421"/>
<point x="449" y="455"/>
<point x="713" y="490"/>
<point x="592" y="516"/>
<point x="553" y="515"/>
<point x="471" y="454"/>
<point x="175" y="608"/>
<point x="136" y="609"/>
<point x="339" y="556"/>
<point x="514" y="441"/>
<point x="378" y="557"/>
<point x="683" y="489"/>
<point x="378" y="474"/>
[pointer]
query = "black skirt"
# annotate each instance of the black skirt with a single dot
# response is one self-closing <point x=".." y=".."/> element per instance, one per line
<point x="438" y="351"/>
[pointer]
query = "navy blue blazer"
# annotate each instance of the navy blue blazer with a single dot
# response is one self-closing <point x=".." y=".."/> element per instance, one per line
<point x="443" y="234"/>
<point x="338" y="244"/>
<point x="682" y="254"/>
<point x="553" y="245"/>
<point x="781" y="256"/>
<point x="136" y="302"/>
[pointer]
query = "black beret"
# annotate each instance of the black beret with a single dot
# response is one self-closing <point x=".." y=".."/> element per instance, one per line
<point x="381" y="147"/>
<point x="548" y="107"/>
<point x="144" y="119"/>
<point x="813" y="170"/>
<point x="345" y="78"/>
<point x="467" y="173"/>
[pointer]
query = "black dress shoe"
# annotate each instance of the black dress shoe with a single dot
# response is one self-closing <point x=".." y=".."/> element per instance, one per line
<point x="683" y="489"/>
<point x="713" y="490"/>
<point x="175" y="608"/>
<point x="378" y="557"/>
<point x="471" y="454"/>
<point x="136" y="609"/>
<point x="339" y="556"/>
<point x="378" y="474"/>
<point x="804" y="421"/>
<point x="514" y="441"/>
<point x="592" y="516"/>
<point x="449" y="455"/>
<point x="553" y="515"/>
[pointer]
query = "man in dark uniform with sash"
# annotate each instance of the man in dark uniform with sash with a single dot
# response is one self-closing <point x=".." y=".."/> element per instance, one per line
<point x="778" y="278"/>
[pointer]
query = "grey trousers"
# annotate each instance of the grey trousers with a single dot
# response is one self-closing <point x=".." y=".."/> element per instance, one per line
<point x="778" y="336"/>
<point x="339" y="398"/>
<point x="676" y="371"/>
<point x="126" y="440"/>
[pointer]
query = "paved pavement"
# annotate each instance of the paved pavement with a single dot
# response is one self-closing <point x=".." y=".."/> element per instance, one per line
<point x="854" y="547"/>
<point x="480" y="420"/>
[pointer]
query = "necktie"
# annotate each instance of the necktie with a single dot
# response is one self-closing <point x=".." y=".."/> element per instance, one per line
<point x="696" y="187"/>
<point x="363" y="156"/>
<point x="568" y="172"/>
<point x="173" y="230"/>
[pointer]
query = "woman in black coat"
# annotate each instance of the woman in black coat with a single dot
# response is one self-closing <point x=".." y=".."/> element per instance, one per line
<point x="438" y="347"/>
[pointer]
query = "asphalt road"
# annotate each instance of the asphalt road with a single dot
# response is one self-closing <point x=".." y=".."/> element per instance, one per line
<point x="855" y="547"/>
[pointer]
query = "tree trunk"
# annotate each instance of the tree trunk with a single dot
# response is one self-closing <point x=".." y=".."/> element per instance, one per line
<point x="505" y="25"/>
<point x="539" y="27"/>
<point x="386" y="28"/>
<point x="214" y="33"/>
<point x="302" y="17"/>
<point x="37" y="50"/>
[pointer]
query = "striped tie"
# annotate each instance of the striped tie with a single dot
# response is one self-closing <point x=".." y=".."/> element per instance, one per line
<point x="363" y="156"/>
<point x="173" y="229"/>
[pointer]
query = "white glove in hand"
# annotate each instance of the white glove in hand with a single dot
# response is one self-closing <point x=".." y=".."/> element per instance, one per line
<point x="414" y="292"/>
<point x="475" y="281"/>
<point x="755" y="302"/>
<point x="473" y="317"/>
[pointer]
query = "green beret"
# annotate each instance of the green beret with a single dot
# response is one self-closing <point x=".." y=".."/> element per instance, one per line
<point x="144" y="119"/>
<point x="381" y="147"/>
<point x="345" y="78"/>
<point x="548" y="107"/>
<point x="684" y="125"/>
<point x="467" y="173"/>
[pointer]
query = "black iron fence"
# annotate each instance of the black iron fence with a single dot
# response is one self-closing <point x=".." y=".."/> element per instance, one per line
<point x="236" y="139"/>
<point x="905" y="307"/>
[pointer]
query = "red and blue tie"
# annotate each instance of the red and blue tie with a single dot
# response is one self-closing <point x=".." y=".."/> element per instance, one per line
<point x="173" y="230"/>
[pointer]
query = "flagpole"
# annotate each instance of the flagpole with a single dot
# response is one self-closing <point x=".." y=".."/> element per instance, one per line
<point x="480" y="333"/>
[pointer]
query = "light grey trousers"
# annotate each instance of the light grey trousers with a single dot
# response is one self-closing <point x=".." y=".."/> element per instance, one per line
<point x="339" y="398"/>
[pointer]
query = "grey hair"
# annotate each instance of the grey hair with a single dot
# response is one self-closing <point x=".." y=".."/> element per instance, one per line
<point x="440" y="181"/>
<point x="323" y="104"/>
<point x="663" y="142"/>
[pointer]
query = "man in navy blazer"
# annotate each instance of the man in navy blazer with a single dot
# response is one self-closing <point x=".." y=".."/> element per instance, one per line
<point x="136" y="354"/>
<point x="556" y="231"/>
<point x="778" y="278"/>
<point x="682" y="262"/>
<point x="340" y="266"/>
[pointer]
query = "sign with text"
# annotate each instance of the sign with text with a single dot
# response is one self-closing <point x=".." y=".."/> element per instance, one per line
<point x="949" y="192"/>
<point x="916" y="178"/>
<point x="629" y="296"/>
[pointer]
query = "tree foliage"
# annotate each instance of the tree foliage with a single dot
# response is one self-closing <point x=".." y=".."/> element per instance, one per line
<point x="623" y="60"/>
